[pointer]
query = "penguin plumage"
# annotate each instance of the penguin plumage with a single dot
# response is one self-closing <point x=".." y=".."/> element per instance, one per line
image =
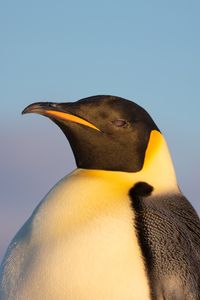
<point x="118" y="227"/>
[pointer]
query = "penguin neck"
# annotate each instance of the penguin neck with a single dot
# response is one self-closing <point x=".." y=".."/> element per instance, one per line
<point x="158" y="169"/>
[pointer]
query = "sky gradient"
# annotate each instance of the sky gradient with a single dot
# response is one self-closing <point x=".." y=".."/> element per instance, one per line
<point x="145" y="51"/>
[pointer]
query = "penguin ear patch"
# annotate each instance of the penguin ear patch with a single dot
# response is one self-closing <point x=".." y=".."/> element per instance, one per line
<point x="140" y="189"/>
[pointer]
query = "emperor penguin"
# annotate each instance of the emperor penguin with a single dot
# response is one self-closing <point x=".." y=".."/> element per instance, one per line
<point x="117" y="227"/>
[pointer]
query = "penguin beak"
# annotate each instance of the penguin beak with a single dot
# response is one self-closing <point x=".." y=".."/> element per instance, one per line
<point x="55" y="111"/>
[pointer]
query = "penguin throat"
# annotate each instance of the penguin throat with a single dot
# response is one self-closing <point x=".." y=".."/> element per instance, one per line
<point x="158" y="170"/>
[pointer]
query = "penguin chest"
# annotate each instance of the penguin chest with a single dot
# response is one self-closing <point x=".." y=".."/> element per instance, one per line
<point x="100" y="261"/>
<point x="87" y="251"/>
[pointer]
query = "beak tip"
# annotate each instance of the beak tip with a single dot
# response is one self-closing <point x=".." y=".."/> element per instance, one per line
<point x="33" y="108"/>
<point x="24" y="111"/>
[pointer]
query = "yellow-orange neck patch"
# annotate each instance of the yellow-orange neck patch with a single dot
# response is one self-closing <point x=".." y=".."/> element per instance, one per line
<point x="155" y="142"/>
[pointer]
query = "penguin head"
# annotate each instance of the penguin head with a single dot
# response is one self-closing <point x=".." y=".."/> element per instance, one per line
<point x="105" y="132"/>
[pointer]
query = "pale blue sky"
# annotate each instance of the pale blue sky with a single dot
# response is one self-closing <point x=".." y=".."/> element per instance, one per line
<point x="147" y="51"/>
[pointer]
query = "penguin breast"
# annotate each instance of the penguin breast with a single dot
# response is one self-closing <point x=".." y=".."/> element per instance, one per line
<point x="80" y="243"/>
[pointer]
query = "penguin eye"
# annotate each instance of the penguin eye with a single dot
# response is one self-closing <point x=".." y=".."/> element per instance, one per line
<point x="120" y="123"/>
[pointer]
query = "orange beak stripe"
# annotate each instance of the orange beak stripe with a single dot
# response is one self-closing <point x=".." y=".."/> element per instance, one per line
<point x="69" y="117"/>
